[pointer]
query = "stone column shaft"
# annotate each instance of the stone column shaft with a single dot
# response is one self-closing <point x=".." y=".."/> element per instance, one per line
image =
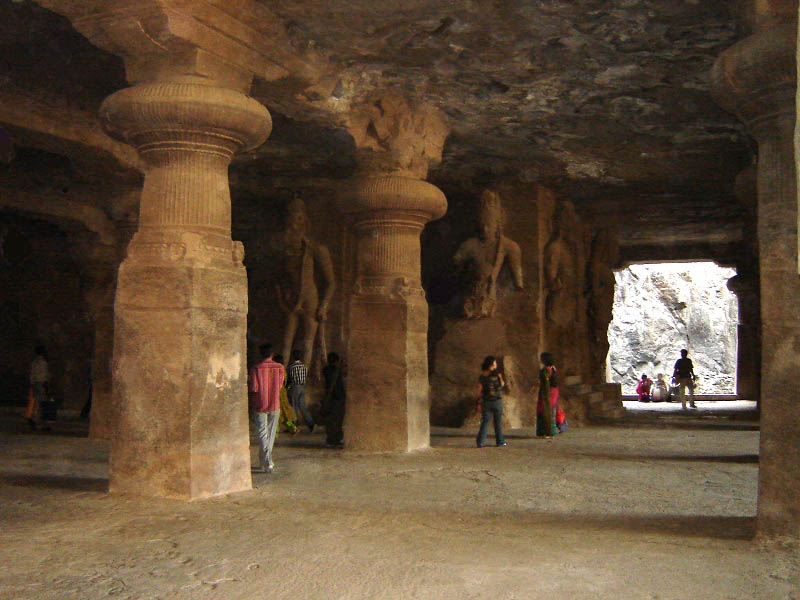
<point x="388" y="405"/>
<point x="756" y="80"/>
<point x="779" y="471"/>
<point x="179" y="369"/>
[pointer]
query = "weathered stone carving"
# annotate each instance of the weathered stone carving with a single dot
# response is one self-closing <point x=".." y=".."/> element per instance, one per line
<point x="604" y="255"/>
<point x="298" y="297"/>
<point x="481" y="259"/>
<point x="562" y="272"/>
<point x="394" y="136"/>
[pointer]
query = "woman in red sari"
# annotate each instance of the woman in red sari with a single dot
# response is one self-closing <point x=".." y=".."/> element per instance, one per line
<point x="547" y="405"/>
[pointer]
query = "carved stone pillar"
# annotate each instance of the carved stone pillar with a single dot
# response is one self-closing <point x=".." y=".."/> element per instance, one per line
<point x="756" y="79"/>
<point x="748" y="358"/>
<point x="746" y="287"/>
<point x="389" y="204"/>
<point x="387" y="388"/>
<point x="181" y="304"/>
<point x="179" y="367"/>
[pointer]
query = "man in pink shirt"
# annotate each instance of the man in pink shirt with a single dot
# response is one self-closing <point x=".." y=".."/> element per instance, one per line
<point x="266" y="380"/>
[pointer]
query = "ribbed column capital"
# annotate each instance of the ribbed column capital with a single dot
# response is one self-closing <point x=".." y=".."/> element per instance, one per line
<point x="366" y="196"/>
<point x="186" y="134"/>
<point x="756" y="78"/>
<point x="155" y="117"/>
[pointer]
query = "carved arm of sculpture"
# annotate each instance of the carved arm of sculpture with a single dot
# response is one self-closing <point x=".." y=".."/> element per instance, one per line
<point x="552" y="266"/>
<point x="514" y="255"/>
<point x="323" y="259"/>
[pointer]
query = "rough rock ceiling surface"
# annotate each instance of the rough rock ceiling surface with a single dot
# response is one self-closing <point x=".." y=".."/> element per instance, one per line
<point x="602" y="100"/>
<point x="606" y="92"/>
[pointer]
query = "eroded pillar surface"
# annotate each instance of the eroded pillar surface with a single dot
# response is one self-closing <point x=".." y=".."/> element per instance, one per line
<point x="756" y="80"/>
<point x="179" y="365"/>
<point x="388" y="204"/>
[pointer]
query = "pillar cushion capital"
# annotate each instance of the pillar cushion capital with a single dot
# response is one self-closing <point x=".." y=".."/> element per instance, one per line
<point x="156" y="116"/>
<point x="366" y="195"/>
<point x="756" y="78"/>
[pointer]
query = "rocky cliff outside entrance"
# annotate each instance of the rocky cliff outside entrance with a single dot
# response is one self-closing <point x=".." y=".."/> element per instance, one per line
<point x="661" y="308"/>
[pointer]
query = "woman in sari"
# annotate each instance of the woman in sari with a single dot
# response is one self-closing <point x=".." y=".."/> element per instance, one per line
<point x="547" y="404"/>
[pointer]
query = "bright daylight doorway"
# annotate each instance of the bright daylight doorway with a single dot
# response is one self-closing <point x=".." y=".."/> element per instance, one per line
<point x="661" y="308"/>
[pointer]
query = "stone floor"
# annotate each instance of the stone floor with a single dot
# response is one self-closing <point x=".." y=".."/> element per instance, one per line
<point x="645" y="512"/>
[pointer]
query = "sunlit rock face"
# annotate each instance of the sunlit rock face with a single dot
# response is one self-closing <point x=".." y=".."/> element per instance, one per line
<point x="660" y="309"/>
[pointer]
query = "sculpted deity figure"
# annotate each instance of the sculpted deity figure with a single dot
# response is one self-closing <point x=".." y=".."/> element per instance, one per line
<point x="561" y="269"/>
<point x="483" y="257"/>
<point x="304" y="261"/>
<point x="605" y="253"/>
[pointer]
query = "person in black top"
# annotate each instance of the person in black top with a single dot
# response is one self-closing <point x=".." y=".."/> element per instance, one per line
<point x="683" y="375"/>
<point x="490" y="384"/>
<point x="333" y="403"/>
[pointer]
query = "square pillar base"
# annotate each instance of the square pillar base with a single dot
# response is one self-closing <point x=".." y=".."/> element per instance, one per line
<point x="387" y="383"/>
<point x="180" y="381"/>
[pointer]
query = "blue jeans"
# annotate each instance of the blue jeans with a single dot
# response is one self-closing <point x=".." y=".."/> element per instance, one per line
<point x="494" y="410"/>
<point x="266" y="424"/>
<point x="297" y="398"/>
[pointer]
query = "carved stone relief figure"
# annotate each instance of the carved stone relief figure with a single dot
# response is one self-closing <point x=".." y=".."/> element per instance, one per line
<point x="605" y="253"/>
<point x="561" y="269"/>
<point x="481" y="259"/>
<point x="304" y="261"/>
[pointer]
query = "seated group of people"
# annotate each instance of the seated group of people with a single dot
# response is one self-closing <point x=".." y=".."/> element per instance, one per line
<point x="649" y="391"/>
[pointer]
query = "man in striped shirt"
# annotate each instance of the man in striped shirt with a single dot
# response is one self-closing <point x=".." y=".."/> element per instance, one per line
<point x="296" y="383"/>
<point x="266" y="380"/>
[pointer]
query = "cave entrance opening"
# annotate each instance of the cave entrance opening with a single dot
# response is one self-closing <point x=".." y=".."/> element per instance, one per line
<point x="661" y="308"/>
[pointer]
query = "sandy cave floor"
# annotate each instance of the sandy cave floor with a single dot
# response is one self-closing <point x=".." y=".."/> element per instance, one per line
<point x="663" y="512"/>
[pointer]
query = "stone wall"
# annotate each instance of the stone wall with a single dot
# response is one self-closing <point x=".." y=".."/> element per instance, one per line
<point x="520" y="329"/>
<point x="661" y="308"/>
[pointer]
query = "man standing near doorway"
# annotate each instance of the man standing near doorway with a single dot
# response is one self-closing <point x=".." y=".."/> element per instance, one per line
<point x="266" y="380"/>
<point x="683" y="375"/>
<point x="296" y="375"/>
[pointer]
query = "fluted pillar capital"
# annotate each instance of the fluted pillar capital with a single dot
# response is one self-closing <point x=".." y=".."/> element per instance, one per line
<point x="186" y="134"/>
<point x="389" y="195"/>
<point x="159" y="118"/>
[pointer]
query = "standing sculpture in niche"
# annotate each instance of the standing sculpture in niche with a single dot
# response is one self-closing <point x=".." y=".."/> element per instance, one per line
<point x="483" y="257"/>
<point x="561" y="269"/>
<point x="605" y="253"/>
<point x="304" y="261"/>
